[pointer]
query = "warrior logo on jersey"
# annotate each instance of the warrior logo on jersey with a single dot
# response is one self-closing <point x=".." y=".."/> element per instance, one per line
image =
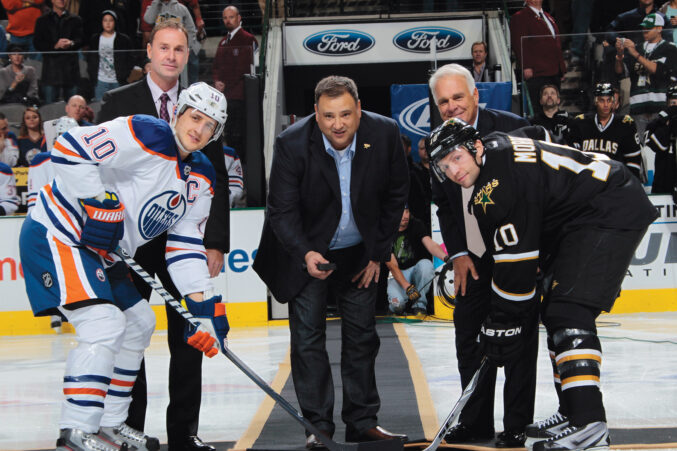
<point x="47" y="280"/>
<point x="160" y="213"/>
<point x="483" y="197"/>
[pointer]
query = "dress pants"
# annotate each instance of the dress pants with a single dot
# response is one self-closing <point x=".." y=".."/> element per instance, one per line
<point x="185" y="364"/>
<point x="311" y="371"/>
<point x="520" y="376"/>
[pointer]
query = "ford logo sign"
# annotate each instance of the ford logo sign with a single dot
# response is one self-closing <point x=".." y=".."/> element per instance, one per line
<point x="338" y="42"/>
<point x="418" y="39"/>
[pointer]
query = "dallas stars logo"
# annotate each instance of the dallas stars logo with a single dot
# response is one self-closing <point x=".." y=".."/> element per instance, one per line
<point x="483" y="196"/>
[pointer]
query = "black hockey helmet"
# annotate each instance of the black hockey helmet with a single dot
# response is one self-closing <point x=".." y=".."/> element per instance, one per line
<point x="604" y="89"/>
<point x="445" y="139"/>
<point x="672" y="90"/>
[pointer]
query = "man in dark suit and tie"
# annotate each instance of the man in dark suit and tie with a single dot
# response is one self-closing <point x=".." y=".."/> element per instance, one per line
<point x="453" y="89"/>
<point x="156" y="95"/>
<point x="338" y="186"/>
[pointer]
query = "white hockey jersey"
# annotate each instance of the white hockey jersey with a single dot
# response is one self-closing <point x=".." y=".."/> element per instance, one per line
<point x="40" y="173"/>
<point x="9" y="199"/>
<point x="137" y="158"/>
<point x="235" y="180"/>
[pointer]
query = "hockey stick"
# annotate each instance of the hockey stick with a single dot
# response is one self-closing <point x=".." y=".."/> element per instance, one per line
<point x="455" y="413"/>
<point x="381" y="445"/>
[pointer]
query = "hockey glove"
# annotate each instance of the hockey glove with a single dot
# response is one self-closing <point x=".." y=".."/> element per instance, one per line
<point x="412" y="293"/>
<point x="501" y="341"/>
<point x="104" y="224"/>
<point x="210" y="336"/>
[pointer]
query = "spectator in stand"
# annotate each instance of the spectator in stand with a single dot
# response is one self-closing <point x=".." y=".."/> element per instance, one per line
<point x="9" y="147"/>
<point x="479" y="69"/>
<point x="194" y="8"/>
<point x="9" y="199"/>
<point x="3" y="40"/>
<point x="31" y="139"/>
<point x="162" y="10"/>
<point x="61" y="32"/>
<point x="661" y="137"/>
<point x="540" y="58"/>
<point x="233" y="59"/>
<point x="18" y="82"/>
<point x="648" y="66"/>
<point x="418" y="200"/>
<point x="235" y="179"/>
<point x="110" y="66"/>
<point x="21" y="16"/>
<point x="628" y="24"/>
<point x="669" y="10"/>
<point x="76" y="108"/>
<point x="554" y="120"/>
<point x="127" y="12"/>
<point x="411" y="266"/>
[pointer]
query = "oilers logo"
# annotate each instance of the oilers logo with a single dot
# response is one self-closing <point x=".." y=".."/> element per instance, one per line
<point x="160" y="213"/>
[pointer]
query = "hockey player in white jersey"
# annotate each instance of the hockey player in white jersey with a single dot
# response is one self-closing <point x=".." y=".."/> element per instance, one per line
<point x="122" y="182"/>
<point x="9" y="199"/>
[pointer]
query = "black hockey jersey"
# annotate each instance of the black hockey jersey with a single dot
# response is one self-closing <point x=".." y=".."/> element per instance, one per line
<point x="530" y="194"/>
<point x="661" y="137"/>
<point x="559" y="125"/>
<point x="618" y="139"/>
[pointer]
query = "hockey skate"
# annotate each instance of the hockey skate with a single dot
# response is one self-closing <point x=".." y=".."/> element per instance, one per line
<point x="545" y="429"/>
<point x="592" y="436"/>
<point x="129" y="437"/>
<point x="79" y="440"/>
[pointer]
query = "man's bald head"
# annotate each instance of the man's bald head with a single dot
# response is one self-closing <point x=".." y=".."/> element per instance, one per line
<point x="75" y="107"/>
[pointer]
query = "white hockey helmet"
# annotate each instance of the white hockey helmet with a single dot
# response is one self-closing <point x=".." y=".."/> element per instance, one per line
<point x="207" y="101"/>
<point x="63" y="124"/>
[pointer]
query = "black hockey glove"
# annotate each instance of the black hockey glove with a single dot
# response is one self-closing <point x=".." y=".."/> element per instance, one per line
<point x="501" y="341"/>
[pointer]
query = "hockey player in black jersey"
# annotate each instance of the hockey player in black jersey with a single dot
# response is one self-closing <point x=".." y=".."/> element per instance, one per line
<point x="604" y="132"/>
<point x="576" y="218"/>
<point x="661" y="137"/>
<point x="556" y="121"/>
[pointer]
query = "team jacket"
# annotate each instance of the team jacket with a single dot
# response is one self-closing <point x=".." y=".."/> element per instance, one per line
<point x="9" y="200"/>
<point x="529" y="194"/>
<point x="617" y="140"/>
<point x="135" y="157"/>
<point x="661" y="137"/>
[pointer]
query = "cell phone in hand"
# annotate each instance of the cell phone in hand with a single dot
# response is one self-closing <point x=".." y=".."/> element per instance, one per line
<point x="326" y="266"/>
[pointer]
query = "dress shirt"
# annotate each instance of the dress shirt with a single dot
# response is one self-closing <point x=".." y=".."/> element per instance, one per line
<point x="156" y="92"/>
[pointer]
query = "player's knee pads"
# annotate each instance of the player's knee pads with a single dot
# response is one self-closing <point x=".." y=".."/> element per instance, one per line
<point x="99" y="325"/>
<point x="140" y="326"/>
<point x="578" y="356"/>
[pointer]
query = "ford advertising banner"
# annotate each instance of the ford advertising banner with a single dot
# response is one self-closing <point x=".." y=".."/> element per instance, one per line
<point x="367" y="43"/>
<point x="409" y="107"/>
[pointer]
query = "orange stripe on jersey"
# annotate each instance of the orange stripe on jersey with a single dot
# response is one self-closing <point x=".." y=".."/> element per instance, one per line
<point x="173" y="249"/>
<point x="48" y="188"/>
<point x="152" y="152"/>
<point x="587" y="377"/>
<point x="569" y="358"/>
<point x="63" y="149"/>
<point x="209" y="182"/>
<point x="75" y="291"/>
<point x="120" y="383"/>
<point x="84" y="391"/>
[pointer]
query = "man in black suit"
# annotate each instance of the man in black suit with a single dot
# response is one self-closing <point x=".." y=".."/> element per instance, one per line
<point x="455" y="95"/>
<point x="338" y="186"/>
<point x="156" y="95"/>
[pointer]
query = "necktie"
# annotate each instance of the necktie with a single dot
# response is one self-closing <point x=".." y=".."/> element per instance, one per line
<point x="547" y="23"/>
<point x="228" y="38"/>
<point x="473" y="236"/>
<point x="164" y="113"/>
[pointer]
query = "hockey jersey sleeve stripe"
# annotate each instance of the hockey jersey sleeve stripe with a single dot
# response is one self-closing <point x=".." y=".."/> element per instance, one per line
<point x="184" y="239"/>
<point x="655" y="140"/>
<point x="633" y="154"/>
<point x="513" y="296"/>
<point x="60" y="160"/>
<point x="67" y="205"/>
<point x="76" y="145"/>
<point x="55" y="221"/>
<point x="64" y="214"/>
<point x="506" y="258"/>
<point x="186" y="256"/>
<point x="633" y="165"/>
<point x="87" y="378"/>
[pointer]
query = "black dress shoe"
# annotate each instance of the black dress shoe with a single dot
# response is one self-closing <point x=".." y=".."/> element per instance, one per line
<point x="313" y="442"/>
<point x="463" y="434"/>
<point x="194" y="442"/>
<point x="374" y="434"/>
<point x="510" y="439"/>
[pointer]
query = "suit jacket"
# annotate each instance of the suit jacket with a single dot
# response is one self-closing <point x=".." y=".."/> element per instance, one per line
<point x="447" y="195"/>
<point x="136" y="98"/>
<point x="304" y="199"/>
<point x="543" y="55"/>
<point x="232" y="61"/>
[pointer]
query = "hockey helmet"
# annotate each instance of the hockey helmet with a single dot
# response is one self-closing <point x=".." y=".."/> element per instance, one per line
<point x="63" y="124"/>
<point x="672" y="91"/>
<point x="446" y="138"/>
<point x="603" y="89"/>
<point x="207" y="101"/>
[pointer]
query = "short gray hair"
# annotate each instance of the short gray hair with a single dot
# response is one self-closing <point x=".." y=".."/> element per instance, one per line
<point x="449" y="70"/>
